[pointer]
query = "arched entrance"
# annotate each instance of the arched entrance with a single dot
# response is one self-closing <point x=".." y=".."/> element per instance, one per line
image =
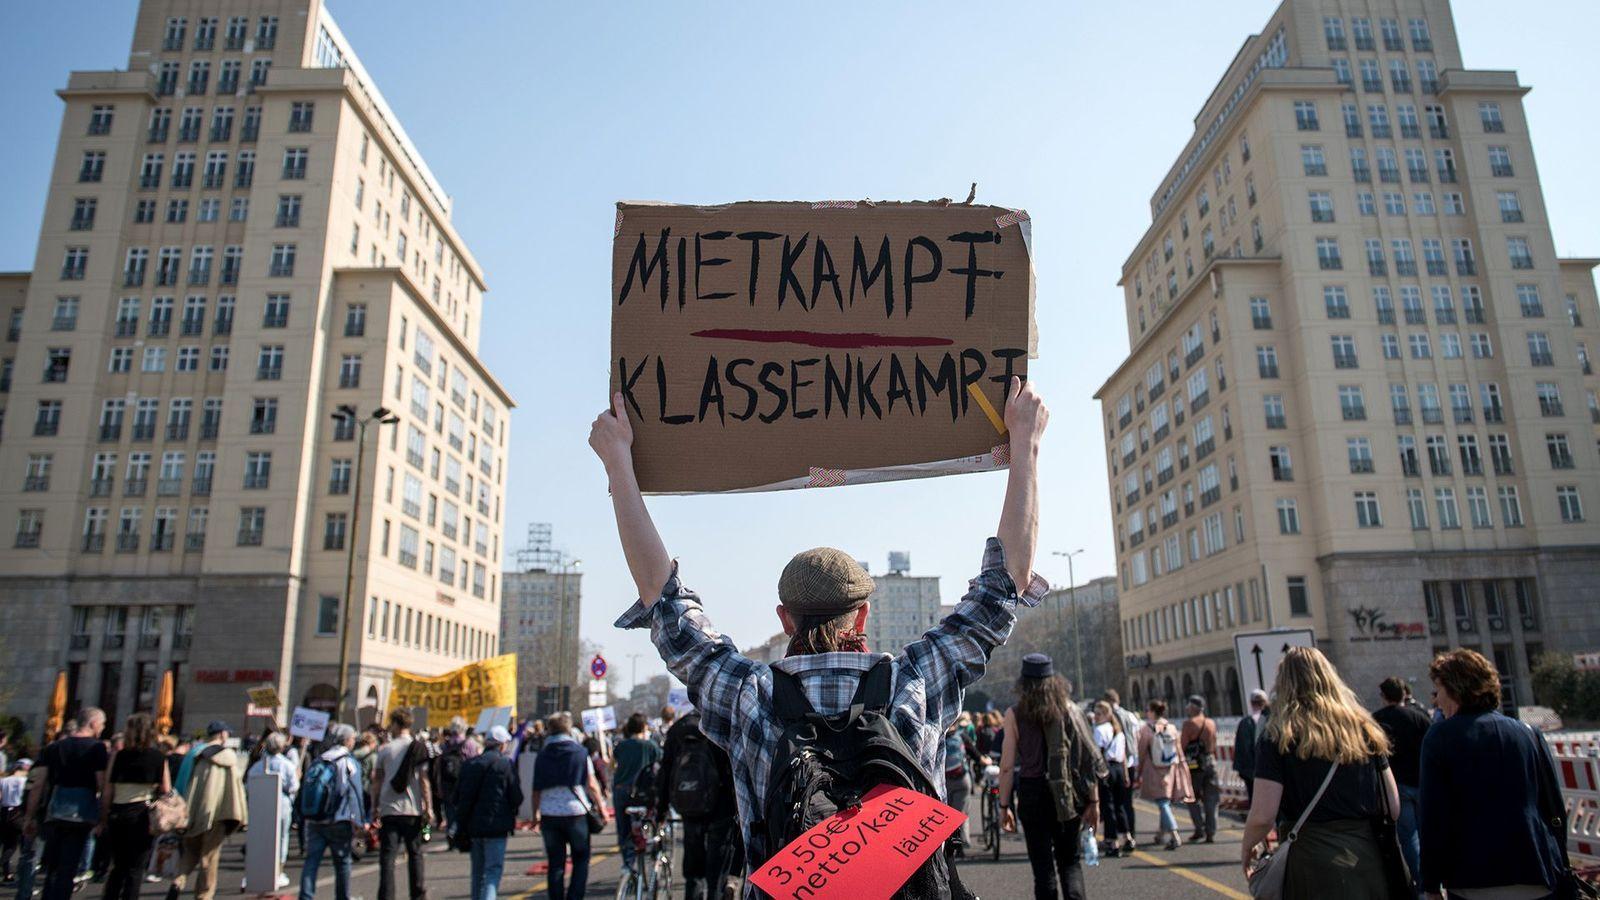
<point x="321" y="697"/>
<point x="1137" y="698"/>
<point x="1231" y="681"/>
<point x="1208" y="690"/>
<point x="1188" y="686"/>
<point x="1166" y="691"/>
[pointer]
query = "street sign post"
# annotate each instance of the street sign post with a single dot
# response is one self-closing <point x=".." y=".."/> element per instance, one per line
<point x="1258" y="654"/>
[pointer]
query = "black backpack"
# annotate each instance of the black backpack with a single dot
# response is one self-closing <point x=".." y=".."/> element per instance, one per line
<point x="824" y="764"/>
<point x="696" y="778"/>
<point x="450" y="762"/>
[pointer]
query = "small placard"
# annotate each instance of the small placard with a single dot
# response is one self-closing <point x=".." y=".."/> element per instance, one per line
<point x="865" y="853"/>
<point x="308" y="723"/>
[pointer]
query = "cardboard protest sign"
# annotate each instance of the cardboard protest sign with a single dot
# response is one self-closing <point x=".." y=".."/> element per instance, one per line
<point x="265" y="696"/>
<point x="865" y="853"/>
<point x="765" y="346"/>
<point x="463" y="692"/>
<point x="308" y="723"/>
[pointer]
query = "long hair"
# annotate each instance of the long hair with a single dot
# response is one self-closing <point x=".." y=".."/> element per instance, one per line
<point x="1043" y="701"/>
<point x="1102" y="707"/>
<point x="1318" y="715"/>
<point x="825" y="634"/>
<point x="139" y="733"/>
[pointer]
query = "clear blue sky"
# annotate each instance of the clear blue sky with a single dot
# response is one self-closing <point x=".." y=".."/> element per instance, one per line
<point x="537" y="121"/>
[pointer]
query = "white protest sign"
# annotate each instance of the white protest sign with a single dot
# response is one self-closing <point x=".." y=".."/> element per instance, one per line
<point x="308" y="723"/>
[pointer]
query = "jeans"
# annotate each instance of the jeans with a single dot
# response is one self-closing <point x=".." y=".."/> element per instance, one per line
<point x="63" y="853"/>
<point x="10" y="837"/>
<point x="26" y="867"/>
<point x="619" y="804"/>
<point x="489" y="858"/>
<point x="956" y="787"/>
<point x="1168" y="823"/>
<point x="1114" y="801"/>
<point x="1203" y="811"/>
<point x="128" y="840"/>
<point x="1053" y="848"/>
<point x="1406" y="828"/>
<point x="560" y="834"/>
<point x="285" y="819"/>
<point x="401" y="831"/>
<point x="712" y="853"/>
<point x="333" y="838"/>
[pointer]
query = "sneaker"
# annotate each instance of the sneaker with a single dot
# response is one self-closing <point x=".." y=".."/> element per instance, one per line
<point x="1193" y="838"/>
<point x="172" y="892"/>
<point x="283" y="880"/>
<point x="1211" y="839"/>
<point x="1173" y="843"/>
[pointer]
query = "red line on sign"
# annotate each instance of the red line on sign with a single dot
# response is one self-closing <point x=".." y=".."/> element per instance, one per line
<point x="830" y="341"/>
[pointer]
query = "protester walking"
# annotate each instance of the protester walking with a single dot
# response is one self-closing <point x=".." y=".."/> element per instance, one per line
<point x="697" y="781"/>
<point x="447" y="774"/>
<point x="402" y="798"/>
<point x="1406" y="725"/>
<point x="486" y="805"/>
<point x="1322" y="765"/>
<point x="1132" y="725"/>
<point x="1493" y="822"/>
<point x="635" y="757"/>
<point x="13" y="791"/>
<point x="1112" y="741"/>
<point x="275" y="759"/>
<point x="1199" y="737"/>
<point x="332" y="806"/>
<point x="217" y="809"/>
<point x="1244" y="741"/>
<point x="138" y="775"/>
<point x="960" y="755"/>
<point x="1163" y="773"/>
<point x="565" y="791"/>
<point x="1050" y="771"/>
<point x="73" y="770"/>
<point x="907" y="700"/>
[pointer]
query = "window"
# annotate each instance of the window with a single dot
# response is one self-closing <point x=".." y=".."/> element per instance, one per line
<point x="1344" y="351"/>
<point x="1282" y="467"/>
<point x="1390" y="344"/>
<point x="1272" y="406"/>
<point x="1421" y="347"/>
<point x="1560" y="451"/>
<point x="257" y="470"/>
<point x="1288" y="517"/>
<point x="1549" y="395"/>
<point x="1482" y="346"/>
<point x="1489" y="115"/>
<point x="1521" y="256"/>
<point x="1500" y="162"/>
<point x="1422" y="203"/>
<point x="282" y="265"/>
<point x="1376" y="264"/>
<point x="1321" y="206"/>
<point x="1539" y="349"/>
<point x="1328" y="257"/>
<point x="1312" y="160"/>
<point x="269" y="363"/>
<point x="334" y="530"/>
<point x="1367" y="514"/>
<point x="252" y="526"/>
<point x="1260" y="313"/>
<point x="1305" y="115"/>
<point x="1417" y="508"/>
<point x="1366" y="204"/>
<point x="1478" y="508"/>
<point x="1351" y="404"/>
<point x="1444" y="503"/>
<point x="1394" y="203"/>
<point x="1266" y="361"/>
<point x="276" y="312"/>
<point x="300" y="115"/>
<point x="288" y="211"/>
<point x="1510" y="206"/>
<point x="350" y="370"/>
<point x="1299" y="602"/>
<point x="1510" y="506"/>
<point x="1359" y="451"/>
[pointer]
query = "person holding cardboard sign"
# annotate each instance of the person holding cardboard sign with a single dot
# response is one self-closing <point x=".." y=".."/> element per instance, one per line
<point x="829" y="669"/>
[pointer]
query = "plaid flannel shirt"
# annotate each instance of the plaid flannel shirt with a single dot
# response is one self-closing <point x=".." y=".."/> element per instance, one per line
<point x="734" y="693"/>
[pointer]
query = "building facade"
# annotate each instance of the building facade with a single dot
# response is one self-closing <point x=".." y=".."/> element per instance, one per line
<point x="1359" y="396"/>
<point x="539" y="610"/>
<point x="242" y="185"/>
<point x="1066" y="622"/>
<point x="903" y="606"/>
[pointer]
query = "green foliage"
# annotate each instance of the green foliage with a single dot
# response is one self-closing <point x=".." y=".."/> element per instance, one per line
<point x="1558" y="684"/>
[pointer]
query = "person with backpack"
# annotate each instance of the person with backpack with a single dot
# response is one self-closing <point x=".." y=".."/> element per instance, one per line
<point x="1132" y="726"/>
<point x="636" y="757"/>
<point x="697" y="780"/>
<point x="562" y="776"/>
<point x="960" y="757"/>
<point x="332" y="806"/>
<point x="885" y="714"/>
<point x="1199" y="737"/>
<point x="1112" y="740"/>
<point x="1163" y="772"/>
<point x="401" y="798"/>
<point x="447" y="774"/>
<point x="1050" y="773"/>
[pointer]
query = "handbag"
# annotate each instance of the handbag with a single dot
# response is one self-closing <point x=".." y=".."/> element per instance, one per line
<point x="168" y="813"/>
<point x="73" y="805"/>
<point x="1399" y="877"/>
<point x="597" y="819"/>
<point x="1267" y="878"/>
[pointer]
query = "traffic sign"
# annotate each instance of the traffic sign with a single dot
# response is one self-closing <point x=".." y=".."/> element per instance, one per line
<point x="1258" y="654"/>
<point x="597" y="666"/>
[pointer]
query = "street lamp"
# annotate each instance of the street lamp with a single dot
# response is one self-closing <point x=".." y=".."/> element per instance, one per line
<point x="379" y="416"/>
<point x="1077" y="629"/>
<point x="565" y="569"/>
<point x="633" y="692"/>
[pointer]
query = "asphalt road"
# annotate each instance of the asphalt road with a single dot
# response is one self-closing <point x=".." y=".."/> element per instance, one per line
<point x="1197" y="870"/>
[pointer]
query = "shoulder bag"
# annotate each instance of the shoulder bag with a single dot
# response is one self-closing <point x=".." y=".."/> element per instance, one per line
<point x="1399" y="877"/>
<point x="1267" y="878"/>
<point x="168" y="813"/>
<point x="597" y="819"/>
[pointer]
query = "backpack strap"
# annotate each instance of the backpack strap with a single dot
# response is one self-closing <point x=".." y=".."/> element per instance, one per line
<point x="789" y="701"/>
<point x="872" y="692"/>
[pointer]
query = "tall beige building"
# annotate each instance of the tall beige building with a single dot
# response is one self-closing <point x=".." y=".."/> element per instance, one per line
<point x="1359" y="396"/>
<point x="903" y="605"/>
<point x="239" y="241"/>
<point x="541" y="602"/>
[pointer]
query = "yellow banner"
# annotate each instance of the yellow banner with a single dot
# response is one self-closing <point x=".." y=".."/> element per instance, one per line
<point x="464" y="692"/>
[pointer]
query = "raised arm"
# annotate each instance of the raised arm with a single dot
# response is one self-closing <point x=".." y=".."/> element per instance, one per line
<point x="1026" y="417"/>
<point x="611" y="437"/>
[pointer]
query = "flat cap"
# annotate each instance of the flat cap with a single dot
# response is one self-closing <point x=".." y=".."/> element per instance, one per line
<point x="823" y="582"/>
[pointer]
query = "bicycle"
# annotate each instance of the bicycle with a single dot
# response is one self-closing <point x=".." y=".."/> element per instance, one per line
<point x="650" y="876"/>
<point x="990" y="806"/>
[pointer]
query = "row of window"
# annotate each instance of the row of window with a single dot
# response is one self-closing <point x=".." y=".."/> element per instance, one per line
<point x="169" y="264"/>
<point x="403" y="626"/>
<point x="1421" y="347"/>
<point x="1389" y="28"/>
<point x="1314" y="163"/>
<point x="1330" y="257"/>
<point x="207" y="209"/>
<point x="192" y="125"/>
<point x="1223" y="609"/>
<point x="234" y="35"/>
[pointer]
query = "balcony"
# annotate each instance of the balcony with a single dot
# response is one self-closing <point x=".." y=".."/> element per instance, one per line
<point x="134" y="487"/>
<point x="269" y="373"/>
<point x="159" y="543"/>
<point x="100" y="487"/>
<point x="1319" y="214"/>
<point x="127" y="542"/>
<point x="1438" y="267"/>
<point x="1432" y="415"/>
<point x="159" y="327"/>
<point x="1541" y="359"/>
<point x="1411" y="130"/>
<point x="177" y="431"/>
<point x="1199" y="402"/>
<point x="1466" y="267"/>
<point x="1283" y="473"/>
<point x="1276" y="422"/>
<point x="1409" y="466"/>
<point x="1345" y="361"/>
<point x="1561" y="460"/>
<point x="200" y="487"/>
<point x="1402" y="417"/>
<point x="36" y="483"/>
<point x="1377" y="267"/>
<point x="46" y="427"/>
<point x="144" y="432"/>
<point x="256" y="481"/>
<point x="1463" y="416"/>
<point x="281" y="270"/>
<point x="1438" y="131"/>
<point x="1388" y="175"/>
<point x="1207" y="497"/>
<point x="250" y="537"/>
<point x="221" y="134"/>
<point x="223" y="324"/>
<point x="1405" y="267"/>
<point x="1352" y="129"/>
<point x="1361" y="467"/>
<point x="93" y="542"/>
<point x="208" y="431"/>
<point x="127" y="327"/>
<point x="1496" y="414"/>
<point x="169" y="487"/>
<point x="230" y="274"/>
<point x="1511" y="215"/>
<point x="1353" y="413"/>
<point x="1494" y="126"/>
<point x="191" y="542"/>
<point x="1521" y="262"/>
<point x="1372" y="85"/>
<point x="1362" y="174"/>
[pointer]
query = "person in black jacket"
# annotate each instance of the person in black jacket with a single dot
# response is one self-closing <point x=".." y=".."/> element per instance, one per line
<point x="1244" y="740"/>
<point x="1489" y="792"/>
<point x="712" y="848"/>
<point x="487" y="798"/>
<point x="563" y="776"/>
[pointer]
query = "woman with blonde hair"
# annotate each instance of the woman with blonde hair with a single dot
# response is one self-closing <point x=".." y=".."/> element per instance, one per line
<point x="1322" y="767"/>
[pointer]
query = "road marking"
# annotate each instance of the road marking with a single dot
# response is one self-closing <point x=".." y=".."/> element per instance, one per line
<point x="1195" y="877"/>
<point x="593" y="858"/>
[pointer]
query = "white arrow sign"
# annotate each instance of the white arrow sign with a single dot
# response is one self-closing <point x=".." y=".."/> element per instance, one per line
<point x="1259" y="653"/>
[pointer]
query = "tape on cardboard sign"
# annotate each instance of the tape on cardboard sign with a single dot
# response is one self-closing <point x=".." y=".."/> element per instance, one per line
<point x="825" y="477"/>
<point x="865" y="853"/>
<point x="988" y="408"/>
<point x="834" y="204"/>
<point x="1011" y="218"/>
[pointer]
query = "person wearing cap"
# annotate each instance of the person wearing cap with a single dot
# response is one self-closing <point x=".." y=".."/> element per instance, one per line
<point x="334" y="836"/>
<point x="823" y="608"/>
<point x="1029" y="783"/>
<point x="13" y="787"/>
<point x="1244" y="741"/>
<point x="487" y="798"/>
<point x="1199" y="737"/>
<point x="217" y="809"/>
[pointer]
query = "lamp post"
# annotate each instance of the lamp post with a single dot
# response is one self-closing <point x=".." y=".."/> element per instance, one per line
<point x="564" y="571"/>
<point x="1077" y="629"/>
<point x="379" y="416"/>
<point x="633" y="692"/>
